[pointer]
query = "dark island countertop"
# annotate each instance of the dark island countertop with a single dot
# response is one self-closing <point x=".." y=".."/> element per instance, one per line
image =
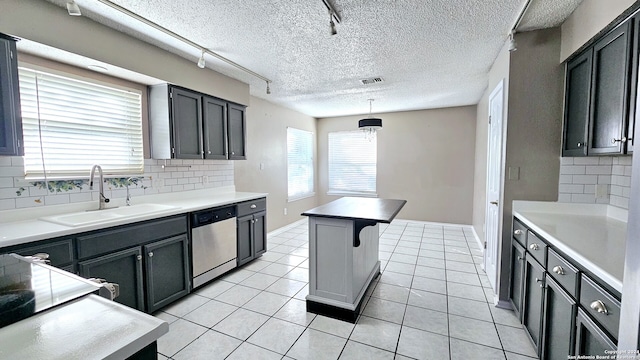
<point x="355" y="208"/>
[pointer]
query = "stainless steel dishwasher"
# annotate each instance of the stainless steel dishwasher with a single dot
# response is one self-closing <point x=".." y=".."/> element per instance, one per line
<point x="214" y="245"/>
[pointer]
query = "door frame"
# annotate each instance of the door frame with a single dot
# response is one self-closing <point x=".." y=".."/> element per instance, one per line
<point x="498" y="241"/>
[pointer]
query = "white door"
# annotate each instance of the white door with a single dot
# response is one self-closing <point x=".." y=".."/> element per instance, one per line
<point x="494" y="185"/>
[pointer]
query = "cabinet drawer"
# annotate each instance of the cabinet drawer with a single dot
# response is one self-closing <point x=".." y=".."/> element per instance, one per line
<point x="563" y="272"/>
<point x="519" y="232"/>
<point x="602" y="306"/>
<point x="125" y="237"/>
<point x="253" y="206"/>
<point x="60" y="252"/>
<point x="537" y="248"/>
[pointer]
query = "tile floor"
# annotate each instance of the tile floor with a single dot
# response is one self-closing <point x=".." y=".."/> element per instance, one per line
<point x="432" y="301"/>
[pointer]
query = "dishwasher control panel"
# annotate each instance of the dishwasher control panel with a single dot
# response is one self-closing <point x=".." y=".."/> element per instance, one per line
<point x="210" y="216"/>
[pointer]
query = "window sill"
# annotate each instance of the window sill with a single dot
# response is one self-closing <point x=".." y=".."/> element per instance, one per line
<point x="352" y="193"/>
<point x="301" y="197"/>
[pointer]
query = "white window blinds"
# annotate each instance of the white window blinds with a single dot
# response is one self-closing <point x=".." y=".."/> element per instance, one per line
<point x="352" y="163"/>
<point x="299" y="164"/>
<point x="70" y="125"/>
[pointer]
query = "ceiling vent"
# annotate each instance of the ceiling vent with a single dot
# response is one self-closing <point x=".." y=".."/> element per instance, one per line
<point x="371" y="81"/>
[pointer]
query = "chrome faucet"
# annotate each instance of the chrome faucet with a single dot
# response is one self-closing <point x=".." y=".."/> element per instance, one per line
<point x="103" y="200"/>
<point x="127" y="183"/>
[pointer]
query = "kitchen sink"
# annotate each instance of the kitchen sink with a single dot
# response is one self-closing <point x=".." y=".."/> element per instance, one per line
<point x="97" y="216"/>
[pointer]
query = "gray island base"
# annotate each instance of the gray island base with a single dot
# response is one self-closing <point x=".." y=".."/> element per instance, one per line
<point x="343" y="253"/>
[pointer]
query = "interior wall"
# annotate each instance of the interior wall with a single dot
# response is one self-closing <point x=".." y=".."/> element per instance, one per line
<point x="48" y="24"/>
<point x="265" y="169"/>
<point x="425" y="157"/>
<point x="499" y="72"/>
<point x="587" y="20"/>
<point x="534" y="129"/>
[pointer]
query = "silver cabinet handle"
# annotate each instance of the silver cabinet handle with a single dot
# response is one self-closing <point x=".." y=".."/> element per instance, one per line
<point x="518" y="232"/>
<point x="139" y="257"/>
<point x="253" y="206"/>
<point x="558" y="270"/>
<point x="580" y="144"/>
<point x="253" y="221"/>
<point x="534" y="246"/>
<point x="539" y="281"/>
<point x="599" y="306"/>
<point x="614" y="140"/>
<point x="233" y="153"/>
<point x="520" y="258"/>
<point x="209" y="152"/>
<point x="494" y="203"/>
<point x="151" y="254"/>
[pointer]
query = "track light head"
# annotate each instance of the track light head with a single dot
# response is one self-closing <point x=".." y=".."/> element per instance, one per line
<point x="268" y="89"/>
<point x="73" y="9"/>
<point x="513" y="46"/>
<point x="332" y="25"/>
<point x="201" y="61"/>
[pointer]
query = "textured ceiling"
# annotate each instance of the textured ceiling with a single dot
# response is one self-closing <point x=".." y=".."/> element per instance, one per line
<point x="430" y="53"/>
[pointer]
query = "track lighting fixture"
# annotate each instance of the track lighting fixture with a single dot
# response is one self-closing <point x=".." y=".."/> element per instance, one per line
<point x="512" y="41"/>
<point x="73" y="9"/>
<point x="201" y="61"/>
<point x="268" y="89"/>
<point x="332" y="25"/>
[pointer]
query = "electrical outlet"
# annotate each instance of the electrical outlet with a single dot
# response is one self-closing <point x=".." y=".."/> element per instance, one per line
<point x="205" y="179"/>
<point x="285" y="211"/>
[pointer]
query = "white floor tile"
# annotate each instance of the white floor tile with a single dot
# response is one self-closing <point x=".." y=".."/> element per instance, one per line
<point x="248" y="351"/>
<point x="266" y="303"/>
<point x="186" y="305"/>
<point x="420" y="344"/>
<point x="181" y="333"/>
<point x="211" y="345"/>
<point x="295" y="311"/>
<point x="357" y="351"/>
<point x="276" y="335"/>
<point x="260" y="281"/>
<point x="238" y="295"/>
<point x="241" y="324"/>
<point x="210" y="313"/>
<point x="377" y="333"/>
<point x="313" y="344"/>
<point x="332" y="326"/>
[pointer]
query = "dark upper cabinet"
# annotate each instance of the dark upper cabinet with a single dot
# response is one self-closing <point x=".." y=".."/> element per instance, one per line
<point x="186" y="124"/>
<point x="215" y="128"/>
<point x="186" y="119"/>
<point x="576" y="108"/>
<point x="559" y="322"/>
<point x="10" y="119"/>
<point x="237" y="132"/>
<point x="609" y="96"/>
<point x="634" y="104"/>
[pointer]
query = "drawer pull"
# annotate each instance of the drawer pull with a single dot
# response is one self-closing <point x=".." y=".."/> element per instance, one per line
<point x="151" y="254"/>
<point x="253" y="206"/>
<point x="534" y="247"/>
<point x="520" y="258"/>
<point x="599" y="306"/>
<point x="139" y="257"/>
<point x="558" y="270"/>
<point x="517" y="232"/>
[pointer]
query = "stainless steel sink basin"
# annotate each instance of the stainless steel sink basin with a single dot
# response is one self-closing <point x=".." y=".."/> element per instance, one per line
<point x="98" y="216"/>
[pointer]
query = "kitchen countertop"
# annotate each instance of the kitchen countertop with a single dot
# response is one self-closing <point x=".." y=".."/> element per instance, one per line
<point x="353" y="208"/>
<point x="21" y="226"/>
<point x="90" y="327"/>
<point x="593" y="235"/>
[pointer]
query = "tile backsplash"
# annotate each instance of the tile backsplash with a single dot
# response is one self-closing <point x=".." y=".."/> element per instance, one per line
<point x="178" y="175"/>
<point x="579" y="177"/>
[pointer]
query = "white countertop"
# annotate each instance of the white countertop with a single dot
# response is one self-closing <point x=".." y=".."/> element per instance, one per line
<point x="90" y="327"/>
<point x="24" y="225"/>
<point x="593" y="235"/>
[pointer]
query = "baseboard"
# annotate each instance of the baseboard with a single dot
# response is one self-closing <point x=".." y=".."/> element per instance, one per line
<point x="504" y="304"/>
<point x="480" y="244"/>
<point x="287" y="227"/>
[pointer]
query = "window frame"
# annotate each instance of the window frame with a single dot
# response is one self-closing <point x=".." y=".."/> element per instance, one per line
<point x="309" y="164"/>
<point x="345" y="192"/>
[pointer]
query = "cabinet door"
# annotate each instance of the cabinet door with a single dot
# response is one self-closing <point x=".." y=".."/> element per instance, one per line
<point x="576" y="108"/>
<point x="634" y="104"/>
<point x="259" y="233"/>
<point x="559" y="322"/>
<point x="590" y="338"/>
<point x="236" y="125"/>
<point x="517" y="277"/>
<point x="186" y="118"/>
<point x="215" y="128"/>
<point x="245" y="245"/>
<point x="123" y="268"/>
<point x="167" y="271"/>
<point x="10" y="122"/>
<point x="609" y="96"/>
<point x="532" y="305"/>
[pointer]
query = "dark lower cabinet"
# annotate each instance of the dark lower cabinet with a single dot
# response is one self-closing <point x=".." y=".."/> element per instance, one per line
<point x="60" y="252"/>
<point x="560" y="309"/>
<point x="251" y="236"/>
<point x="122" y="267"/>
<point x="517" y="276"/>
<point x="590" y="338"/>
<point x="167" y="272"/>
<point x="533" y="300"/>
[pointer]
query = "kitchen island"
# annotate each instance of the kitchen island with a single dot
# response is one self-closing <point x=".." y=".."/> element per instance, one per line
<point x="343" y="253"/>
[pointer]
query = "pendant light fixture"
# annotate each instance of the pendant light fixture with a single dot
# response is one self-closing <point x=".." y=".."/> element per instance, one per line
<point x="370" y="125"/>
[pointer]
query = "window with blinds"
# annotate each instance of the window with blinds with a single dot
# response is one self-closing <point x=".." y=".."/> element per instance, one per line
<point x="299" y="164"/>
<point x="69" y="125"/>
<point x="352" y="163"/>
